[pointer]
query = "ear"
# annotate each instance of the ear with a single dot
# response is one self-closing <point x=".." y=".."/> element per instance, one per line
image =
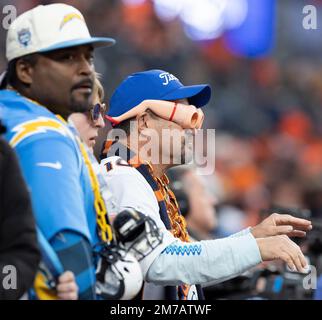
<point x="143" y="121"/>
<point x="24" y="71"/>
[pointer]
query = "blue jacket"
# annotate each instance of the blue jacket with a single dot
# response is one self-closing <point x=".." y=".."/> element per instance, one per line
<point x="52" y="166"/>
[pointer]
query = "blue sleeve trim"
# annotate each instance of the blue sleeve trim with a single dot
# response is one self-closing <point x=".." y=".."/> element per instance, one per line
<point x="192" y="249"/>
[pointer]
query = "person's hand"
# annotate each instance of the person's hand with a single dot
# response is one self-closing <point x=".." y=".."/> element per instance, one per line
<point x="283" y="248"/>
<point x="67" y="288"/>
<point x="278" y="224"/>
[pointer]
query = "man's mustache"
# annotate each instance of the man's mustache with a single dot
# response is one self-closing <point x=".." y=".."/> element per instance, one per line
<point x="86" y="83"/>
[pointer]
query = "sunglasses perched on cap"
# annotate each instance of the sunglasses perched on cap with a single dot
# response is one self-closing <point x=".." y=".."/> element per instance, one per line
<point x="97" y="110"/>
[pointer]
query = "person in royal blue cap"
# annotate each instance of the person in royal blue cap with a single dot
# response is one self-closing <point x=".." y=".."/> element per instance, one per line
<point x="158" y="116"/>
<point x="162" y="94"/>
<point x="156" y="85"/>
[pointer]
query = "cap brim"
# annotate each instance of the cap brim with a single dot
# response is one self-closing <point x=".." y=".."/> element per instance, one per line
<point x="198" y="95"/>
<point x="95" y="41"/>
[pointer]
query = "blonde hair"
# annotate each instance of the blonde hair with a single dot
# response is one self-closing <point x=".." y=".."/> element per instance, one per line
<point x="98" y="90"/>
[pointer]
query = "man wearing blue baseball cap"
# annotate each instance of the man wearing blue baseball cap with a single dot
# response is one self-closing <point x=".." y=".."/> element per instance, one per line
<point x="155" y="85"/>
<point x="153" y="104"/>
<point x="50" y="75"/>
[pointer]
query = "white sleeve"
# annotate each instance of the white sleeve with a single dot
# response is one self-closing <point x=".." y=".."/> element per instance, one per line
<point x="204" y="261"/>
<point x="131" y="190"/>
<point x="240" y="233"/>
<point x="175" y="262"/>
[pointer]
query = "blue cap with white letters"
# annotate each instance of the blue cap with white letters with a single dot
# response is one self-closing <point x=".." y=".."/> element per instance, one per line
<point x="155" y="85"/>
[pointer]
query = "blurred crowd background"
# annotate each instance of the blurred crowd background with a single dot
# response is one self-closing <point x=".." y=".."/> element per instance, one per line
<point x="265" y="69"/>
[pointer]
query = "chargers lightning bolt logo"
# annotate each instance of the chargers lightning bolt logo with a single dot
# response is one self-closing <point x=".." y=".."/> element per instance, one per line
<point x="69" y="17"/>
<point x="39" y="125"/>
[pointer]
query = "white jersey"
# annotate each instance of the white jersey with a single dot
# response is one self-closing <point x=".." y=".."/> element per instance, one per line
<point x="131" y="190"/>
<point x="175" y="262"/>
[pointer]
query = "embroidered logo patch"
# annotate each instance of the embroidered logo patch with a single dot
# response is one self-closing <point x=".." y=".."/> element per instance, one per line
<point x="24" y="37"/>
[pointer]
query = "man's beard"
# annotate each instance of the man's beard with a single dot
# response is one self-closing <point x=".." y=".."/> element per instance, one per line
<point x="187" y="153"/>
<point x="79" y="106"/>
<point x="187" y="150"/>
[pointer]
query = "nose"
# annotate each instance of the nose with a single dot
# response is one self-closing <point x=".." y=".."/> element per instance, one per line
<point x="194" y="132"/>
<point x="85" y="66"/>
<point x="190" y="132"/>
<point x="99" y="123"/>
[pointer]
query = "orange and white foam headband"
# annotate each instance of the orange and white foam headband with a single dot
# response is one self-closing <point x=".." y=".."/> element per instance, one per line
<point x="187" y="116"/>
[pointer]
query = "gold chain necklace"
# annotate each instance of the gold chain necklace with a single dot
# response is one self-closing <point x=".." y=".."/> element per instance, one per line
<point x="178" y="222"/>
<point x="105" y="230"/>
